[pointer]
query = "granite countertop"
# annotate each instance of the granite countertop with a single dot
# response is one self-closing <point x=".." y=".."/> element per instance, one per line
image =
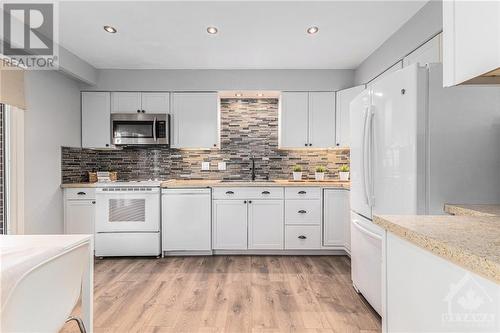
<point x="193" y="183"/>
<point x="472" y="210"/>
<point x="275" y="183"/>
<point x="470" y="242"/>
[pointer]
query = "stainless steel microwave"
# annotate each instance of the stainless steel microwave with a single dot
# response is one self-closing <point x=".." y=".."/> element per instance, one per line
<point x="132" y="129"/>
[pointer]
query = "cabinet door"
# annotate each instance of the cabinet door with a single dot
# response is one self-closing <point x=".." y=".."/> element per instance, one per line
<point x="265" y="224"/>
<point x="344" y="98"/>
<point x="155" y="102"/>
<point x="321" y="119"/>
<point x="471" y="41"/>
<point x="428" y="53"/>
<point x="125" y="102"/>
<point x="336" y="218"/>
<point x="195" y="120"/>
<point x="79" y="216"/>
<point x="96" y="126"/>
<point x="229" y="224"/>
<point x="294" y="120"/>
<point x="186" y="220"/>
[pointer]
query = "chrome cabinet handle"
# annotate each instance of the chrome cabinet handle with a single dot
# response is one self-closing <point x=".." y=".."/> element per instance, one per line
<point x="302" y="211"/>
<point x="93" y="202"/>
<point x="229" y="192"/>
<point x="266" y="192"/>
<point x="82" y="193"/>
<point x="245" y="202"/>
<point x="250" y="201"/>
<point x="302" y="192"/>
<point x="302" y="237"/>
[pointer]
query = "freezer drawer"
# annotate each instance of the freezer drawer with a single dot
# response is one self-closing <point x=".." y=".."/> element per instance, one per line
<point x="127" y="244"/>
<point x="366" y="259"/>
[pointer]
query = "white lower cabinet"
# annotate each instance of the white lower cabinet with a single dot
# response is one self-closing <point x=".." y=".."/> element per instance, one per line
<point x="229" y="224"/>
<point x="303" y="218"/>
<point x="265" y="224"/>
<point x="186" y="219"/>
<point x="426" y="293"/>
<point x="79" y="211"/>
<point x="248" y="223"/>
<point x="336" y="218"/>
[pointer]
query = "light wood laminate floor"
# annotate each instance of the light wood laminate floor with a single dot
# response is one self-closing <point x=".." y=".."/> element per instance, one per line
<point x="228" y="294"/>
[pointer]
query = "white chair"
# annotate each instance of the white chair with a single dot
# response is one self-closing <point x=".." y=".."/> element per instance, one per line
<point x="45" y="296"/>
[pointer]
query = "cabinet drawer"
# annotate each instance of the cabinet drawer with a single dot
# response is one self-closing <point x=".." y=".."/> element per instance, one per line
<point x="79" y="193"/>
<point x="302" y="193"/>
<point x="302" y="237"/>
<point x="248" y="193"/>
<point x="303" y="212"/>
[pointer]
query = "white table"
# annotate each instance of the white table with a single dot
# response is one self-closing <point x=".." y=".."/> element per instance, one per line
<point x="46" y="247"/>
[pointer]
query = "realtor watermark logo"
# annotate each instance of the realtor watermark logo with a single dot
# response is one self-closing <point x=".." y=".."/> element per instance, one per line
<point x="29" y="38"/>
<point x="470" y="305"/>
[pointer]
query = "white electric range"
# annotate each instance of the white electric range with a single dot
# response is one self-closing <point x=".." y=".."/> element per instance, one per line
<point x="128" y="219"/>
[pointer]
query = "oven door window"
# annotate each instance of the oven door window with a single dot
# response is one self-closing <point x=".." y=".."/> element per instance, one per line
<point x="127" y="210"/>
<point x="133" y="129"/>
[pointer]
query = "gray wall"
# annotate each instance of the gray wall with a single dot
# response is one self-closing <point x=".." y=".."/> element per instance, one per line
<point x="52" y="120"/>
<point x="422" y="26"/>
<point x="199" y="80"/>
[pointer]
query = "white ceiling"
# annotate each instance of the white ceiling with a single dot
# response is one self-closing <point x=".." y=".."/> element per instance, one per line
<point x="252" y="34"/>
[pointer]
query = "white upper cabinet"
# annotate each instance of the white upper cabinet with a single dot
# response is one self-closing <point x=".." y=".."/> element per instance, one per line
<point x="195" y="119"/>
<point x="155" y="102"/>
<point x="137" y="102"/>
<point x="428" y="53"/>
<point x="321" y="119"/>
<point x="96" y="120"/>
<point x="344" y="98"/>
<point x="294" y="120"/>
<point x="471" y="42"/>
<point x="307" y="119"/>
<point x="126" y="102"/>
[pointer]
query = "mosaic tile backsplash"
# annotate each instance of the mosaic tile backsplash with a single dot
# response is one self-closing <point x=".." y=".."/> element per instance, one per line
<point x="249" y="127"/>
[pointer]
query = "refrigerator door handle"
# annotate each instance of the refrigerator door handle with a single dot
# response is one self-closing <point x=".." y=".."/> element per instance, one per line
<point x="366" y="231"/>
<point x="364" y="158"/>
<point x="369" y="155"/>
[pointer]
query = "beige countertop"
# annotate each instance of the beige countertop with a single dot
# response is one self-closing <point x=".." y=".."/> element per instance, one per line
<point x="193" y="183"/>
<point x="275" y="183"/>
<point x="80" y="185"/>
<point x="472" y="210"/>
<point x="470" y="242"/>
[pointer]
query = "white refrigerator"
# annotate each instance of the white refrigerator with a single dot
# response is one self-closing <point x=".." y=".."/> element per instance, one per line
<point x="414" y="147"/>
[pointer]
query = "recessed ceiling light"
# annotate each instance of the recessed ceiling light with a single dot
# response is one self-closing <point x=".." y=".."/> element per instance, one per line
<point x="312" y="30"/>
<point x="238" y="94"/>
<point x="212" y="30"/>
<point x="110" y="29"/>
